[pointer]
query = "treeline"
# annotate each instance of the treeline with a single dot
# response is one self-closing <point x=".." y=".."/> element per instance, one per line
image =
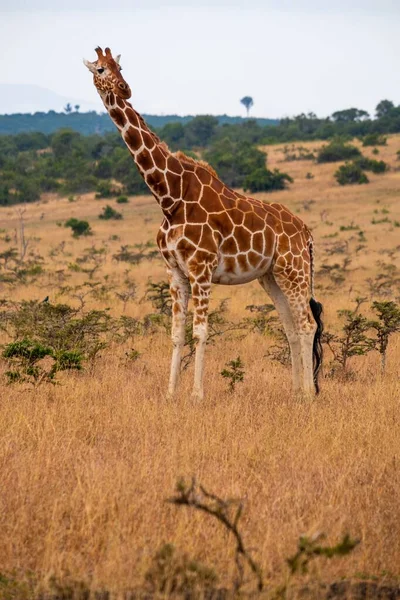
<point x="68" y="162"/>
<point x="92" y="122"/>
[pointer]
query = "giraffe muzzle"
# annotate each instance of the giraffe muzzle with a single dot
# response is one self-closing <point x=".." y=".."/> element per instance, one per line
<point x="124" y="90"/>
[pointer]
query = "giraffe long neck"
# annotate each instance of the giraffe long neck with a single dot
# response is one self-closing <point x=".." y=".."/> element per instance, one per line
<point x="159" y="168"/>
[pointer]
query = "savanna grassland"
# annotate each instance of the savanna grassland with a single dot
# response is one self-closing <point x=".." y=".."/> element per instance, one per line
<point x="86" y="466"/>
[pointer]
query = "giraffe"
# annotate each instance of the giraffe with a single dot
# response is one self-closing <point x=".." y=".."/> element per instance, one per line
<point x="213" y="234"/>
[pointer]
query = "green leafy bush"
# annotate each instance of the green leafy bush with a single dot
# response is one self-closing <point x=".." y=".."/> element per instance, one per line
<point x="264" y="180"/>
<point x="78" y="227"/>
<point x="349" y="174"/>
<point x="26" y="359"/>
<point x="374" y="139"/>
<point x="336" y="151"/>
<point x="110" y="213"/>
<point x="104" y="189"/>
<point x="234" y="161"/>
<point x="122" y="200"/>
<point x="369" y="164"/>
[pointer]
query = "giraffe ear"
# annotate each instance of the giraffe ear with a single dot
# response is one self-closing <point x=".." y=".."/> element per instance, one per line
<point x="117" y="58"/>
<point x="89" y="65"/>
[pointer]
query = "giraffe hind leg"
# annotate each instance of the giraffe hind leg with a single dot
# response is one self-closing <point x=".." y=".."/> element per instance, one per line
<point x="304" y="322"/>
<point x="281" y="304"/>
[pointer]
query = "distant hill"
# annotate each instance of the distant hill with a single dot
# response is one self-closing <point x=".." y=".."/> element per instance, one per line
<point x="91" y="122"/>
<point x="26" y="98"/>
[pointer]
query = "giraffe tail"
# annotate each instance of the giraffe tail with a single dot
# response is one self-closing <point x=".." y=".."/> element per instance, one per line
<point x="316" y="309"/>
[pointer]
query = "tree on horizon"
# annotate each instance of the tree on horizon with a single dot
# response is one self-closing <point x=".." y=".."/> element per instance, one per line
<point x="247" y="102"/>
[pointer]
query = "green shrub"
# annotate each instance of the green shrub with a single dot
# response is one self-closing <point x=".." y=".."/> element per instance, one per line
<point x="350" y="173"/>
<point x="234" y="161"/>
<point x="374" y="139"/>
<point x="78" y="227"/>
<point x="110" y="213"/>
<point x="370" y="164"/>
<point x="264" y="180"/>
<point x="336" y="151"/>
<point x="122" y="200"/>
<point x="104" y="189"/>
<point x="25" y="356"/>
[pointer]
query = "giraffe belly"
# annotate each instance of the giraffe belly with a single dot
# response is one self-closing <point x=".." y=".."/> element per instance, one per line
<point x="234" y="270"/>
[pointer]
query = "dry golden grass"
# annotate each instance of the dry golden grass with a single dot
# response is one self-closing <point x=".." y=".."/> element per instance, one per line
<point x="86" y="466"/>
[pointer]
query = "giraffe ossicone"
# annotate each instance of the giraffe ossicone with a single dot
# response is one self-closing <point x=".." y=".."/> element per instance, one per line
<point x="213" y="234"/>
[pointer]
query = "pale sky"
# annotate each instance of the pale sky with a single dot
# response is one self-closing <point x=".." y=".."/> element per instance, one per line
<point x="291" y="56"/>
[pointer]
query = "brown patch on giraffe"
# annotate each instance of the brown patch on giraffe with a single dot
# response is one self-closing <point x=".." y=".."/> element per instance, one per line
<point x="193" y="232"/>
<point x="297" y="263"/>
<point x="224" y="226"/>
<point x="290" y="229"/>
<point x="148" y="140"/>
<point x="298" y="223"/>
<point x="195" y="213"/>
<point x="253" y="222"/>
<point x="274" y="223"/>
<point x="204" y="175"/>
<point x="191" y="163"/>
<point x="121" y="103"/>
<point x="175" y="233"/>
<point x="145" y="159"/>
<point x="191" y="187"/>
<point x="259" y="211"/>
<point x="230" y="264"/>
<point x="167" y="202"/>
<point x="133" y="138"/>
<point x="229" y="246"/>
<point x="243" y="264"/>
<point x="236" y="215"/>
<point x="179" y="214"/>
<point x="118" y="117"/>
<point x="258" y="242"/>
<point x="211" y="200"/>
<point x="272" y="209"/>
<point x="161" y="189"/>
<point x="159" y="158"/>
<point x="270" y="241"/>
<point x="132" y="116"/>
<point x="254" y="259"/>
<point x="286" y="216"/>
<point x="243" y="205"/>
<point x="154" y="178"/>
<point x="160" y="238"/>
<point x="207" y="240"/>
<point x="228" y="193"/>
<point x="176" y="308"/>
<point x="174" y="183"/>
<point x="202" y="257"/>
<point x="243" y="238"/>
<point x="185" y="249"/>
<point x="174" y="165"/>
<point x="227" y="203"/>
<point x="283" y="244"/>
<point x="217" y="185"/>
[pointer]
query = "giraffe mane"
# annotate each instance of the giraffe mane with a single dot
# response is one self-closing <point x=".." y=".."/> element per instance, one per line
<point x="198" y="162"/>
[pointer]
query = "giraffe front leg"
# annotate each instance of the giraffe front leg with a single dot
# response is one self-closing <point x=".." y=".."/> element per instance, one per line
<point x="179" y="289"/>
<point x="201" y="298"/>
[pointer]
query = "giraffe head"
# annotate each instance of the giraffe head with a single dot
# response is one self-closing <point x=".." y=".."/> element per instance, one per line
<point x="107" y="74"/>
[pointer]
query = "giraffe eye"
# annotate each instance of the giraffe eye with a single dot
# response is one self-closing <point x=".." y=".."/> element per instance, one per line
<point x="100" y="70"/>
